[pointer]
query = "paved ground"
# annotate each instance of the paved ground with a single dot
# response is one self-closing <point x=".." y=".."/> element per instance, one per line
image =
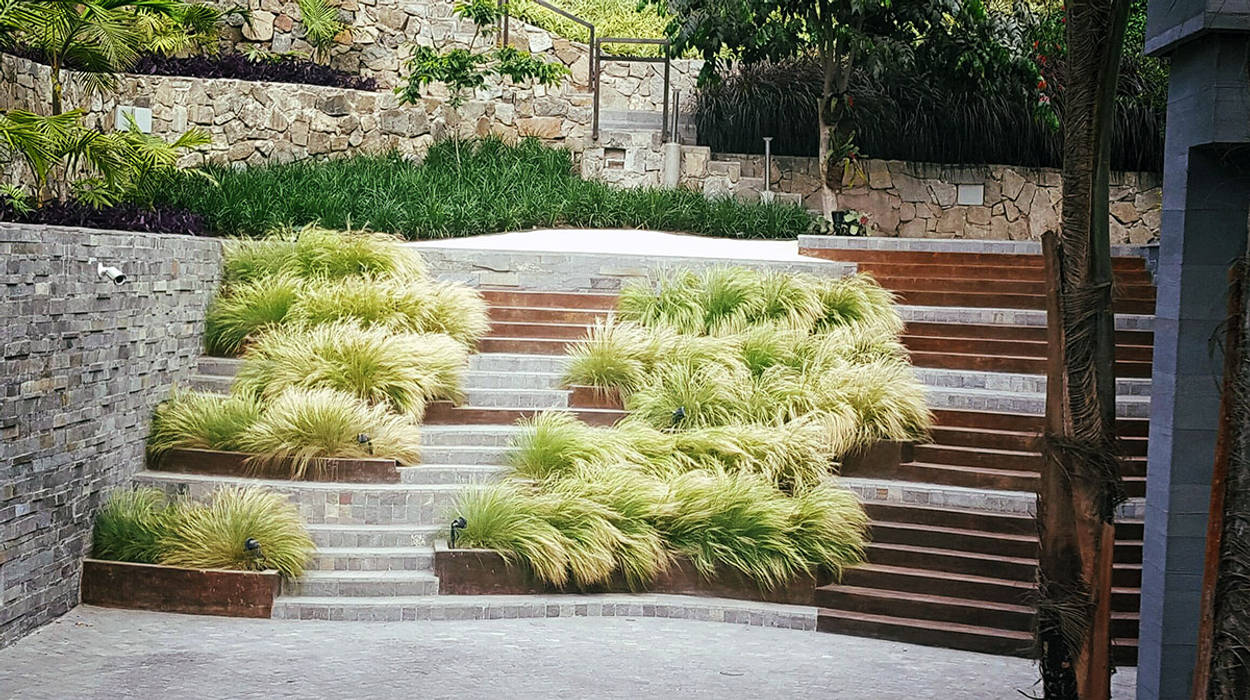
<point x="626" y="242"/>
<point x="100" y="653"/>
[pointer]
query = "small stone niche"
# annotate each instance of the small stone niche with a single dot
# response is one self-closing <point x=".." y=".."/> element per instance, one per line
<point x="970" y="195"/>
<point x="614" y="158"/>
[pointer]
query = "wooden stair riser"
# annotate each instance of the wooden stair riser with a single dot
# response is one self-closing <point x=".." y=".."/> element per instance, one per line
<point x="963" y="260"/>
<point x="551" y="300"/>
<point x="936" y="636"/>
<point x="538" y="314"/>
<point x="551" y="331"/>
<point x="1029" y="273"/>
<point x="1003" y="460"/>
<point x="978" y="542"/>
<point x="1012" y="364"/>
<point x="964" y="611"/>
<point x="1005" y="301"/>
<point x="1008" y="348"/>
<point x="1031" y="333"/>
<point x="1000" y="285"/>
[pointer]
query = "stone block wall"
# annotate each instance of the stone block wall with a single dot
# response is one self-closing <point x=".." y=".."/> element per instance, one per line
<point x="921" y="200"/>
<point x="85" y="361"/>
<point x="381" y="32"/>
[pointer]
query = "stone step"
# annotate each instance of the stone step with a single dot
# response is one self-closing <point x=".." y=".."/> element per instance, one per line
<point x="413" y="558"/>
<point x="537" y="346"/>
<point x="1009" y="363"/>
<point x="1012" y="382"/>
<point x="1008" y="348"/>
<point x="450" y="473"/>
<point x="998" y="300"/>
<point x="474" y="380"/>
<point x="443" y="413"/>
<point x="964" y="252"/>
<point x="517" y="398"/>
<point x="534" y="329"/>
<point x="955" y="271"/>
<point x="322" y="502"/>
<point x="982" y="281"/>
<point x="1012" y="402"/>
<point x="216" y="374"/>
<point x="468" y="607"/>
<point x="998" y="316"/>
<point x="338" y="535"/>
<point x="212" y="383"/>
<point x="468" y="435"/>
<point x="465" y="454"/>
<point x="1010" y="332"/>
<point x="517" y="362"/>
<point x="362" y="584"/>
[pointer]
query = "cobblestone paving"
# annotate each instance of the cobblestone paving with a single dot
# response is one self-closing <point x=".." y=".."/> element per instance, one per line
<point x="99" y="653"/>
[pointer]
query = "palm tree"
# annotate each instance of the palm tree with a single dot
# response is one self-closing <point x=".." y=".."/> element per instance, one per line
<point x="1080" y="486"/>
<point x="101" y="38"/>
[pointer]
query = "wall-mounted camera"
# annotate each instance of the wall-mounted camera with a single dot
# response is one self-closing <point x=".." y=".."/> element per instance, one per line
<point x="112" y="274"/>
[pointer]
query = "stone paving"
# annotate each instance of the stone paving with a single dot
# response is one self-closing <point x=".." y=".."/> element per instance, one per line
<point x="101" y="653"/>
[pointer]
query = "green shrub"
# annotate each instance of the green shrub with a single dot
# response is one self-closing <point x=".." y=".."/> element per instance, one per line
<point x="130" y="525"/>
<point x="507" y="518"/>
<point x="462" y="188"/>
<point x="300" y="426"/>
<point x="248" y="309"/>
<point x="213" y="535"/>
<point x="400" y="370"/>
<point x="198" y="420"/>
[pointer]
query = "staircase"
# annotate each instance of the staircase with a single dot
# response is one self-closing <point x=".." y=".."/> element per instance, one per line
<point x="953" y="555"/>
<point x="954" y="576"/>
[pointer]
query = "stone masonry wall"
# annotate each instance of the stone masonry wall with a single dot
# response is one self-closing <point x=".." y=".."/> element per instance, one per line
<point x="85" y="361"/>
<point x="919" y="200"/>
<point x="381" y="32"/>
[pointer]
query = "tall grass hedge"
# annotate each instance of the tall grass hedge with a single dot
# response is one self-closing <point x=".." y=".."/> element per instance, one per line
<point x="744" y="389"/>
<point x="462" y="188"/>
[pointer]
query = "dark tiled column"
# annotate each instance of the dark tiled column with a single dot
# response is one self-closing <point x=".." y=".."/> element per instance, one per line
<point x="1205" y="198"/>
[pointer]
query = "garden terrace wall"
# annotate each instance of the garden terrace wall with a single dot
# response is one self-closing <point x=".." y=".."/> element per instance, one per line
<point x="85" y="362"/>
<point x="175" y="589"/>
<point x="921" y="200"/>
<point x="381" y="32"/>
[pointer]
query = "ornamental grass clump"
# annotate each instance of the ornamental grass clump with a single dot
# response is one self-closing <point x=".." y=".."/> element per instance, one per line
<point x="214" y="535"/>
<point x="141" y="525"/>
<point x="302" y="427"/>
<point x="401" y="305"/>
<point x="744" y="391"/>
<point x="249" y="309"/>
<point x="400" y="370"/>
<point x="198" y="420"/>
<point x="312" y="252"/>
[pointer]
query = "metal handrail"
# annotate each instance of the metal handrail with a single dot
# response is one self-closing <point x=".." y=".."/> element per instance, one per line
<point x="597" y="56"/>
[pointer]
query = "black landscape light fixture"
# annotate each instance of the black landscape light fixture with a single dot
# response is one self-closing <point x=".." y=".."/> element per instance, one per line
<point x="252" y="547"/>
<point x="679" y="415"/>
<point x="364" y="439"/>
<point x="456" y="526"/>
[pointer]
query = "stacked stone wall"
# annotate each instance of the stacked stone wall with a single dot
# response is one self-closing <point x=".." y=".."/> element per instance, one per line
<point x="85" y="361"/>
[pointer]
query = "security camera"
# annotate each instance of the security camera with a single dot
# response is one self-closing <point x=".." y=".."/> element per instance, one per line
<point x="113" y="274"/>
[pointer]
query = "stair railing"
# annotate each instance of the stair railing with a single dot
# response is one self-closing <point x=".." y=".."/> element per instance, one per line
<point x="597" y="56"/>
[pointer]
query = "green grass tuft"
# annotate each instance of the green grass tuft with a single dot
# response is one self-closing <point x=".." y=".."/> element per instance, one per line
<point x="130" y="525"/>
<point x="462" y="188"/>
<point x="247" y="310"/>
<point x="313" y="252"/>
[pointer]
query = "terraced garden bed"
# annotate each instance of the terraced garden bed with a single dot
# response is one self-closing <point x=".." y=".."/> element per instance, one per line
<point x="350" y="470"/>
<point x="117" y="584"/>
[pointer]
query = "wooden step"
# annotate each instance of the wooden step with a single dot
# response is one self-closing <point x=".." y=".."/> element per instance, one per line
<point x="998" y="285"/>
<point x="926" y="606"/>
<point x="1014" y="364"/>
<point x="914" y="580"/>
<point x="559" y="300"/>
<point x="956" y="538"/>
<point x="950" y="635"/>
<point x="1023" y="422"/>
<point x="1017" y="460"/>
<point x="975" y="564"/>
<point x="982" y="521"/>
<point x="1005" y="301"/>
<point x="1030" y="273"/>
<point x="546" y="331"/>
<point x="965" y="260"/>
<point x="538" y="314"/>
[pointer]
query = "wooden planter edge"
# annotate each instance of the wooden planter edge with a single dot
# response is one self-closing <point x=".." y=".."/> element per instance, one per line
<point x="118" y="584"/>
<point x="352" y="470"/>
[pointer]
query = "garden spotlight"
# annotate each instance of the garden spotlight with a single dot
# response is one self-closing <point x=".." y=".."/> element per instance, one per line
<point x="456" y="526"/>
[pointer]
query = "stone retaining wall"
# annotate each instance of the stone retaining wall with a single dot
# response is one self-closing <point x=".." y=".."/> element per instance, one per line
<point x="380" y="33"/>
<point x="921" y="200"/>
<point x="85" y="361"/>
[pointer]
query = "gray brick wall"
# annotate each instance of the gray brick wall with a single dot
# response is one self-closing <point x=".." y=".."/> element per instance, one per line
<point x="84" y="363"/>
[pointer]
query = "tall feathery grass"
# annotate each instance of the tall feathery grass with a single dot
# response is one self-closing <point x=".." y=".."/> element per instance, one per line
<point x="249" y="309"/>
<point x="744" y="390"/>
<point x="313" y="252"/>
<point x="301" y="427"/>
<point x="142" y="525"/>
<point x="403" y="371"/>
<point x="197" y="420"/>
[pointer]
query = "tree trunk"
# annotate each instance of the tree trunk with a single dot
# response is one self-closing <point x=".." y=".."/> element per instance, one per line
<point x="57" y="87"/>
<point x="1080" y="486"/>
<point x="1221" y="671"/>
<point x="829" y="62"/>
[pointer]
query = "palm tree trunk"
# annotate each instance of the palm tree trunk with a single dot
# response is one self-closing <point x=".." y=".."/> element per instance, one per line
<point x="57" y="87"/>
<point x="1080" y="486"/>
